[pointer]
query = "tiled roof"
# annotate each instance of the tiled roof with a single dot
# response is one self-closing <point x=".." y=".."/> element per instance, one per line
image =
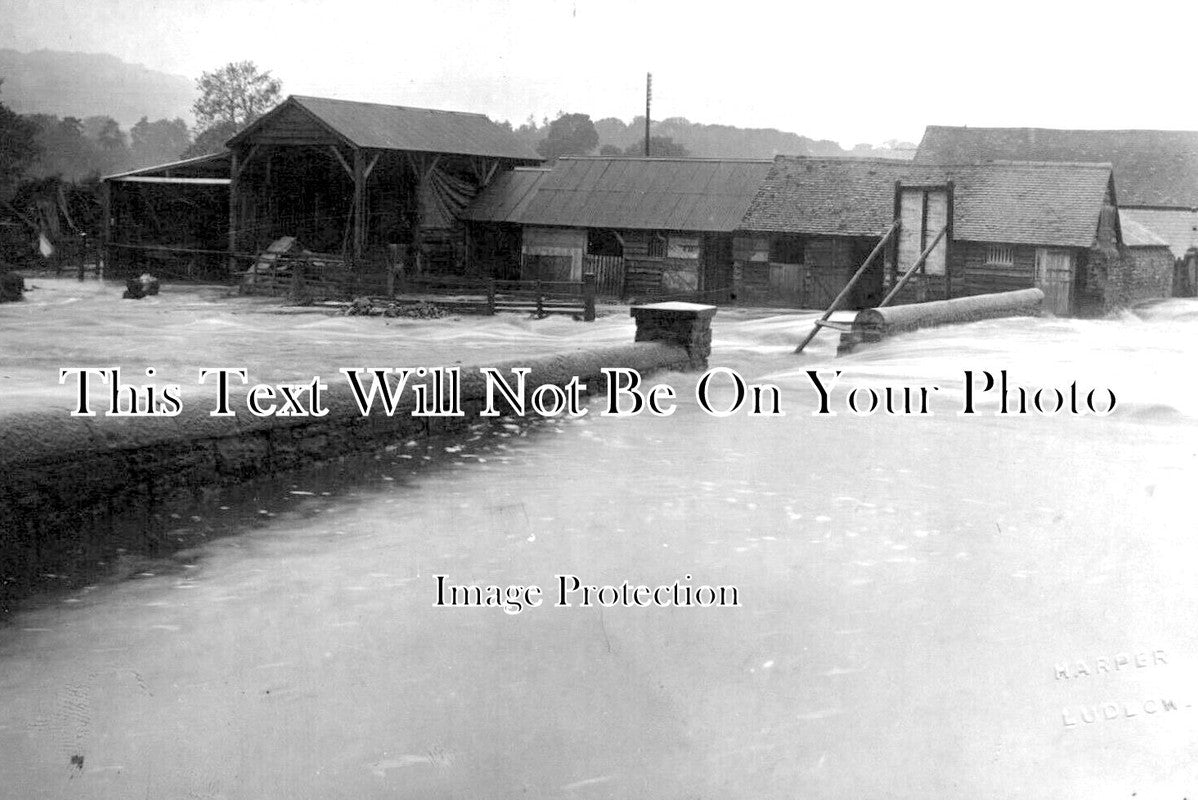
<point x="1029" y="203"/>
<point x="677" y="194"/>
<point x="385" y="127"/>
<point x="831" y="196"/>
<point x="1013" y="202"/>
<point x="1152" y="168"/>
<point x="507" y="197"/>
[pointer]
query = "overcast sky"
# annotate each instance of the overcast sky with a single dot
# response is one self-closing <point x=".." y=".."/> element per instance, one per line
<point x="852" y="71"/>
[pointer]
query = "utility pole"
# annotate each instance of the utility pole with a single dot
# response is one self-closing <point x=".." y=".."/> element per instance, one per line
<point x="648" y="103"/>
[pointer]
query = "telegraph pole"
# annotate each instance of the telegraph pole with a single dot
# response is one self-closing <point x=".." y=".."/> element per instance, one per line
<point x="648" y="103"/>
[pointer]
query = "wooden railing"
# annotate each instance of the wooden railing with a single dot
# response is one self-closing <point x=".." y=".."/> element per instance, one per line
<point x="490" y="296"/>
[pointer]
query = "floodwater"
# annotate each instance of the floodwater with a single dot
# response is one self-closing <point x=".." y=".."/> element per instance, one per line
<point x="934" y="605"/>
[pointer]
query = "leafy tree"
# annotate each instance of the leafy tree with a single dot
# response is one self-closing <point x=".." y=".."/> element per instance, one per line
<point x="111" y="146"/>
<point x="211" y="140"/>
<point x="19" y="147"/>
<point x="569" y="135"/>
<point x="65" y="151"/>
<point x="237" y="94"/>
<point x="158" y="142"/>
<point x="659" y="147"/>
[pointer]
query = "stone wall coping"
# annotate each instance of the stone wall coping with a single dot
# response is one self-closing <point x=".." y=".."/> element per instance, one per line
<point x="676" y="306"/>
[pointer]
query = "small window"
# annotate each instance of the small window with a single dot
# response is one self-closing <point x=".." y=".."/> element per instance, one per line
<point x="786" y="250"/>
<point x="1002" y="256"/>
<point x="657" y="245"/>
<point x="603" y="243"/>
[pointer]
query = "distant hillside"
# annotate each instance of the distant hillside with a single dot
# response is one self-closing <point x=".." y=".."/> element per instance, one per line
<point x="716" y="141"/>
<point x="719" y="141"/>
<point x="87" y="84"/>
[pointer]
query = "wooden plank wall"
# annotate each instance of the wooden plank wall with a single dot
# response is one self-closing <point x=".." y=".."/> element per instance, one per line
<point x="559" y="242"/>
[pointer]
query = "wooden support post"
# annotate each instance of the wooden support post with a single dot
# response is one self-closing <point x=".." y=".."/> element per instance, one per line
<point x="359" y="205"/>
<point x="106" y="242"/>
<point x="948" y="243"/>
<point x="588" y="297"/>
<point x="234" y="186"/>
<point x="491" y="296"/>
<point x="540" y="300"/>
<point x="894" y="244"/>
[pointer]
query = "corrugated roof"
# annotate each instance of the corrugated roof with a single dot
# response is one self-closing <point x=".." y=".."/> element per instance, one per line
<point x="386" y="127"/>
<point x="679" y="194"/>
<point x="1152" y="168"/>
<point x="215" y="165"/>
<point x="1137" y="235"/>
<point x="1052" y="204"/>
<point x="506" y="198"/>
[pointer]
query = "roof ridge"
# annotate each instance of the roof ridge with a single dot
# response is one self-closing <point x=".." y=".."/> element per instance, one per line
<point x="684" y="159"/>
<point x="386" y="105"/>
<point x="1013" y="162"/>
<point x="846" y="158"/>
<point x="985" y="128"/>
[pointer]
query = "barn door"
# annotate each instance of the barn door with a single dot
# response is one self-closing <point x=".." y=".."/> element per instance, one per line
<point x="716" y="267"/>
<point x="923" y="211"/>
<point x="1054" y="276"/>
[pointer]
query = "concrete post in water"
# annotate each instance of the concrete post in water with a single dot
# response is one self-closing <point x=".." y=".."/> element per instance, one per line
<point x="686" y="325"/>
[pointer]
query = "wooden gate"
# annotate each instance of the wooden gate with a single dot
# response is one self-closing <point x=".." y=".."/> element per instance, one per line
<point x="1054" y="276"/>
<point x="786" y="283"/>
<point x="823" y="284"/>
<point x="609" y="274"/>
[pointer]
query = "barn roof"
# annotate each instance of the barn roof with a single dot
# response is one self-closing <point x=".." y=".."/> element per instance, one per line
<point x="678" y="194"/>
<point x="830" y="196"/>
<point x="386" y="127"/>
<point x="1029" y="203"/>
<point x="507" y="197"/>
<point x="214" y="165"/>
<point x="1052" y="204"/>
<point x="1152" y="168"/>
<point x="1136" y="234"/>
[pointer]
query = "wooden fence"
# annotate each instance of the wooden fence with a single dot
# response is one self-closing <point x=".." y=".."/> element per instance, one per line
<point x="491" y="296"/>
<point x="608" y="272"/>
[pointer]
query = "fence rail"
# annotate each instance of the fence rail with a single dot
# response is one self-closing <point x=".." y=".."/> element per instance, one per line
<point x="492" y="296"/>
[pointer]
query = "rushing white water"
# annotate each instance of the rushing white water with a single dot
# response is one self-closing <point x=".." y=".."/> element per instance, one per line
<point x="910" y="587"/>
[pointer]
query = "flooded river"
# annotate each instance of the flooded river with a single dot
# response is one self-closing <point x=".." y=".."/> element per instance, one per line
<point x="935" y="605"/>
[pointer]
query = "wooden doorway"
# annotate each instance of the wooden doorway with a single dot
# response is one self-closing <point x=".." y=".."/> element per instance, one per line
<point x="1054" y="276"/>
<point x="716" y="268"/>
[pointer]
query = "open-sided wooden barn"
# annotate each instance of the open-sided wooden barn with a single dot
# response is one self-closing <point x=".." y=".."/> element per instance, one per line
<point x="369" y="183"/>
<point x="1156" y="171"/>
<point x="644" y="226"/>
<point x="170" y="219"/>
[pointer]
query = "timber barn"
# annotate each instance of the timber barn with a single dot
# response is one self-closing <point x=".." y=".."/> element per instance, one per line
<point x="1156" y="171"/>
<point x="366" y="182"/>
<point x="645" y="227"/>
<point x="978" y="228"/>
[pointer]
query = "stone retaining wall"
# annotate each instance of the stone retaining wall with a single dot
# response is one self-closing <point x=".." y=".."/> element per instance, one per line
<point x="69" y="477"/>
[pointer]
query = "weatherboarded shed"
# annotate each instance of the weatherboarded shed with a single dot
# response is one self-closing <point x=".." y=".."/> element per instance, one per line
<point x="1156" y="171"/>
<point x="810" y="226"/>
<point x="986" y="227"/>
<point x="643" y="226"/>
